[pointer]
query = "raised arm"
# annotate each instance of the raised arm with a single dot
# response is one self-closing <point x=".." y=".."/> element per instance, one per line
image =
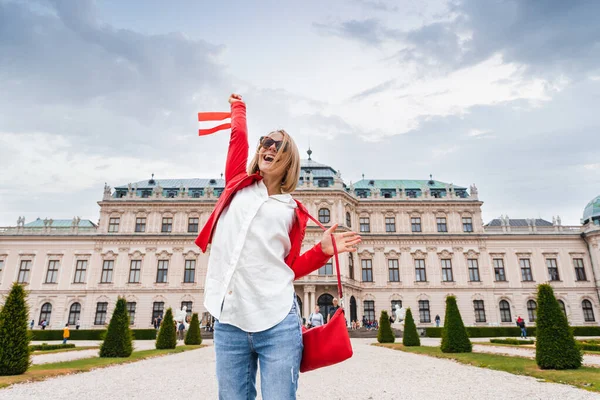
<point x="237" y="155"/>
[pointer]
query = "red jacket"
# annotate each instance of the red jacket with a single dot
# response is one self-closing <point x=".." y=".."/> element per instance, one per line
<point x="236" y="178"/>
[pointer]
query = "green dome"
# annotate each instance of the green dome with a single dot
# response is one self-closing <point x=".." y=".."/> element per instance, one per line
<point x="592" y="210"/>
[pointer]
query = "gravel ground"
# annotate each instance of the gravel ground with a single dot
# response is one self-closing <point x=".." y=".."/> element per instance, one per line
<point x="589" y="360"/>
<point x="373" y="373"/>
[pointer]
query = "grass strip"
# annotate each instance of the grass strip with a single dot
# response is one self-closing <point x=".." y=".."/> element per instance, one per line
<point x="41" y="352"/>
<point x="585" y="377"/>
<point x="45" y="371"/>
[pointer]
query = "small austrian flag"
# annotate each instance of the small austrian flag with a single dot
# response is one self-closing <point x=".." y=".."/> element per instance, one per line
<point x="211" y="122"/>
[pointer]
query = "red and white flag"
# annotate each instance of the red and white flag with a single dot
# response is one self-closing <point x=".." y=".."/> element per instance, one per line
<point x="211" y="122"/>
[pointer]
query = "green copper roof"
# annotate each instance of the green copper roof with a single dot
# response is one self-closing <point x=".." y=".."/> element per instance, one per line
<point x="399" y="183"/>
<point x="59" y="223"/>
<point x="592" y="209"/>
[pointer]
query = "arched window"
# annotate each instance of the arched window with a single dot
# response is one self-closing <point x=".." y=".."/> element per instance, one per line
<point x="505" y="311"/>
<point x="369" y="310"/>
<point x="588" y="311"/>
<point x="561" y="304"/>
<point x="351" y="265"/>
<point x="324" y="216"/>
<point x="532" y="310"/>
<point x="348" y="220"/>
<point x="74" y="313"/>
<point x="45" y="313"/>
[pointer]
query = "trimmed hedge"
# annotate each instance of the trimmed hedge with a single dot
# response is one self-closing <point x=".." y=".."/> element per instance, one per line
<point x="589" y="346"/>
<point x="167" y="335"/>
<point x="88" y="334"/>
<point x="385" y="334"/>
<point x="482" y="332"/>
<point x="193" y="335"/>
<point x="46" y="346"/>
<point x="512" y="341"/>
<point x="118" y="340"/>
<point x="15" y="356"/>
<point x="410" y="337"/>
<point x="454" y="334"/>
<point x="555" y="347"/>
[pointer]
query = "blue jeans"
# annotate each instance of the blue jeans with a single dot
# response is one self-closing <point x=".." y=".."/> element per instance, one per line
<point x="278" y="349"/>
<point x="523" y="332"/>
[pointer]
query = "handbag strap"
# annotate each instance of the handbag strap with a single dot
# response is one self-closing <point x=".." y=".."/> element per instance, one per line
<point x="335" y="253"/>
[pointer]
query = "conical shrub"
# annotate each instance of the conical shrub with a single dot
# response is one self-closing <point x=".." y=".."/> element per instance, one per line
<point x="410" y="336"/>
<point x="167" y="335"/>
<point x="193" y="335"/>
<point x="14" y="336"/>
<point x="454" y="335"/>
<point x="118" y="341"/>
<point x="385" y="334"/>
<point x="555" y="347"/>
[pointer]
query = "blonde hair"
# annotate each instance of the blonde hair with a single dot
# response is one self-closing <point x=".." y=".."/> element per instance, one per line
<point x="287" y="162"/>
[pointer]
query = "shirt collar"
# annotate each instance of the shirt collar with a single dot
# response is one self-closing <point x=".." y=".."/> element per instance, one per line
<point x="283" y="198"/>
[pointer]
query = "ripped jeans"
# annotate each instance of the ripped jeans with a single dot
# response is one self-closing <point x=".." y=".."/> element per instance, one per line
<point x="278" y="350"/>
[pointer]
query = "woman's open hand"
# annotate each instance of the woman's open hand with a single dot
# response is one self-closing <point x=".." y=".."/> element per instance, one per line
<point x="345" y="241"/>
<point x="235" y="98"/>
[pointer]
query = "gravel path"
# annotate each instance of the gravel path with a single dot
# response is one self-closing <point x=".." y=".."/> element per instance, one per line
<point x="589" y="360"/>
<point x="373" y="373"/>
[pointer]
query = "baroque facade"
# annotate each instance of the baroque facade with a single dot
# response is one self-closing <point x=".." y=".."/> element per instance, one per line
<point x="422" y="240"/>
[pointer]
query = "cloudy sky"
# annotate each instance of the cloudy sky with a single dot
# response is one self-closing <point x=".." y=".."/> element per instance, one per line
<point x="501" y="93"/>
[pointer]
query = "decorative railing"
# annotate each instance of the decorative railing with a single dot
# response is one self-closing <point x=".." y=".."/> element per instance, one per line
<point x="11" y="230"/>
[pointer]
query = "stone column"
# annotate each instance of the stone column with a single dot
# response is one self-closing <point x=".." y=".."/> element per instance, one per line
<point x="310" y="289"/>
<point x="305" y="305"/>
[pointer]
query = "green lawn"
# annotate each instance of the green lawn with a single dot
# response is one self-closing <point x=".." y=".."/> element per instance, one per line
<point x="45" y="371"/>
<point x="40" y="352"/>
<point x="584" y="377"/>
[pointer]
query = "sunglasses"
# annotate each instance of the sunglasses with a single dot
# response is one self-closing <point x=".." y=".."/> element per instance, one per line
<point x="266" y="142"/>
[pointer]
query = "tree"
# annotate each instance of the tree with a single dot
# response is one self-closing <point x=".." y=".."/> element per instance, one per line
<point x="410" y="337"/>
<point x="555" y="347"/>
<point x="118" y="341"/>
<point x="385" y="334"/>
<point x="454" y="335"/>
<point x="193" y="334"/>
<point x="167" y="335"/>
<point x="14" y="336"/>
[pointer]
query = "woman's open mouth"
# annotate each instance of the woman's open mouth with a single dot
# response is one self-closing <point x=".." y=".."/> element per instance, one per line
<point x="268" y="158"/>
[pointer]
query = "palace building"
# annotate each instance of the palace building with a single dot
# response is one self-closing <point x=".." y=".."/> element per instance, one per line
<point x="422" y="240"/>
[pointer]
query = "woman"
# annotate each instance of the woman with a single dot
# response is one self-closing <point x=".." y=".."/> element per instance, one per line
<point x="256" y="231"/>
<point x="315" y="319"/>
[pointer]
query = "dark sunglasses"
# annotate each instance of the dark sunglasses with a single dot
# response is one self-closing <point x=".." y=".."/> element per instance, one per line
<point x="266" y="142"/>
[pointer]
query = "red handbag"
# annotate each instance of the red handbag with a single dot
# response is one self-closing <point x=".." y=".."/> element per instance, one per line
<point x="327" y="344"/>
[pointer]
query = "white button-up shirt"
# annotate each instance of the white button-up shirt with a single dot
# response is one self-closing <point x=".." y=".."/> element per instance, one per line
<point x="248" y="284"/>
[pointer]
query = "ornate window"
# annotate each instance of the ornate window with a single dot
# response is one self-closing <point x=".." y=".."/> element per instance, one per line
<point x="552" y="269"/>
<point x="24" y="271"/>
<point x="162" y="271"/>
<point x="80" y="269"/>
<point x="505" y="311"/>
<point x="441" y="224"/>
<point x="367" y="270"/>
<point x="74" y="313"/>
<point x="499" y="270"/>
<point x="46" y="313"/>
<point x="52" y="273"/>
<point x="561" y="304"/>
<point x="157" y="309"/>
<point x="365" y="224"/>
<point x="390" y="224"/>
<point x="415" y="223"/>
<point x="588" y="311"/>
<point x="479" y="308"/>
<point x="135" y="270"/>
<point x="107" y="271"/>
<point x="420" y="275"/>
<point x="473" y="269"/>
<point x="140" y="224"/>
<point x="447" y="271"/>
<point x="526" y="275"/>
<point x="326" y="269"/>
<point x="193" y="224"/>
<point x="131" y="312"/>
<point x="467" y="224"/>
<point x="188" y="305"/>
<point x="113" y="224"/>
<point x="579" y="269"/>
<point x="369" y="310"/>
<point x="348" y="220"/>
<point x="324" y="215"/>
<point x="351" y="265"/>
<point x="167" y="225"/>
<point x="532" y="310"/>
<point x="394" y="270"/>
<point x="424" y="313"/>
<point x="101" y="309"/>
<point x="189" y="274"/>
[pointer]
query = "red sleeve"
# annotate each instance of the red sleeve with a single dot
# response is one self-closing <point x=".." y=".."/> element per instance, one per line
<point x="237" y="156"/>
<point x="310" y="261"/>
